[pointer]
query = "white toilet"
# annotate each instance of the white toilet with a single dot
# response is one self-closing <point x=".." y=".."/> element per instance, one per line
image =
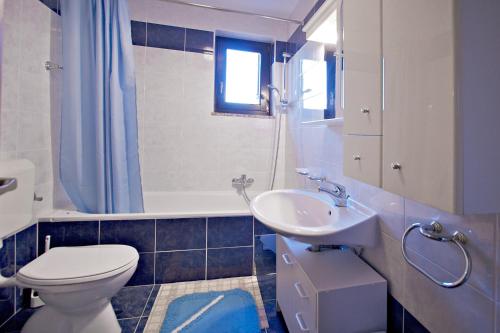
<point x="76" y="283"/>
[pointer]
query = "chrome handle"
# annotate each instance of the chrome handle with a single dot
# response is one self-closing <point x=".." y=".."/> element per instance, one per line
<point x="300" y="321"/>
<point x="7" y="185"/>
<point x="286" y="259"/>
<point x="300" y="291"/>
<point x="356" y="157"/>
<point x="37" y="198"/>
<point x="365" y="110"/>
<point x="395" y="166"/>
<point x="221" y="87"/>
<point x="433" y="231"/>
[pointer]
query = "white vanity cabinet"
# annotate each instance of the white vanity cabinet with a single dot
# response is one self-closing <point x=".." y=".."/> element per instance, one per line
<point x="441" y="113"/>
<point x="328" y="292"/>
<point x="361" y="47"/>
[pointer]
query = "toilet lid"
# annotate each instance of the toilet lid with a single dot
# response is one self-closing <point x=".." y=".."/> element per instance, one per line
<point x="70" y="263"/>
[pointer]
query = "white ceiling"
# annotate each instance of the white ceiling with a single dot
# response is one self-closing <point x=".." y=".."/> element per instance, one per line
<point x="293" y="9"/>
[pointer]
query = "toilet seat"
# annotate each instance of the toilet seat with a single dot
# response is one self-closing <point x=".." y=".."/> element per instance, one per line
<point x="76" y="265"/>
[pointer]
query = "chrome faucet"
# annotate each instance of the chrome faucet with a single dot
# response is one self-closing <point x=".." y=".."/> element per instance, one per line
<point x="335" y="190"/>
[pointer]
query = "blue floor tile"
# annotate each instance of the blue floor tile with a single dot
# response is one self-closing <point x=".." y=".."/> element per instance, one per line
<point x="142" y="325"/>
<point x="128" y="325"/>
<point x="275" y="319"/>
<point x="16" y="323"/>
<point x="131" y="301"/>
<point x="267" y="286"/>
<point x="151" y="300"/>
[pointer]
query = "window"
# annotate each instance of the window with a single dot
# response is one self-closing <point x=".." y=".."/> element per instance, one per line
<point x="242" y="73"/>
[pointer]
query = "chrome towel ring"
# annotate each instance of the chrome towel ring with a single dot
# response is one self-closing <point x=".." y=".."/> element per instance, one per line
<point x="433" y="232"/>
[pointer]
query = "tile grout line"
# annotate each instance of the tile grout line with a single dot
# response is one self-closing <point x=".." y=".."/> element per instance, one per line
<point x="206" y="248"/>
<point x="154" y="256"/>
<point x="144" y="309"/>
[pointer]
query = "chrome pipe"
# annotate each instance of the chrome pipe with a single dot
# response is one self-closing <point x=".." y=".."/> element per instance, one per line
<point x="233" y="11"/>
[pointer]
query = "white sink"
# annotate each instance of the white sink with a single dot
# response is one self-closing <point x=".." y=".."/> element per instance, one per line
<point x="312" y="218"/>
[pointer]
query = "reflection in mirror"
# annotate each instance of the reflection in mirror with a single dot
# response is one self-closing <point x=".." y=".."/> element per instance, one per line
<point x="318" y="87"/>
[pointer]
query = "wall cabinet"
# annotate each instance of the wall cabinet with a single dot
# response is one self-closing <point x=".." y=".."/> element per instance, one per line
<point x="328" y="292"/>
<point x="440" y="110"/>
<point x="361" y="47"/>
<point x="362" y="67"/>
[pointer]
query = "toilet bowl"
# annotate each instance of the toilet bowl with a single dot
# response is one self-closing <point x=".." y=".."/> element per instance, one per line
<point x="76" y="284"/>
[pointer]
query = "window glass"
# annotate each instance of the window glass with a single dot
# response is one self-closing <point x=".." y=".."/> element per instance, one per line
<point x="242" y="77"/>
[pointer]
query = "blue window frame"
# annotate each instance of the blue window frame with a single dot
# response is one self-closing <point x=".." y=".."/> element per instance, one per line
<point x="331" y="64"/>
<point x="242" y="74"/>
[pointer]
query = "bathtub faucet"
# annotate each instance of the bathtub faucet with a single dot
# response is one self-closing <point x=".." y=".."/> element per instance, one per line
<point x="243" y="181"/>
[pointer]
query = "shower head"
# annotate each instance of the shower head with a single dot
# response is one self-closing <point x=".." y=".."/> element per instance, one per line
<point x="286" y="55"/>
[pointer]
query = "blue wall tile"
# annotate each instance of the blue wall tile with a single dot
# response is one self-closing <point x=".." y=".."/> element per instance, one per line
<point x="230" y="231"/>
<point x="25" y="253"/>
<point x="25" y="246"/>
<point x="144" y="274"/>
<point x="68" y="234"/>
<point x="138" y="33"/>
<point x="7" y="268"/>
<point x="262" y="229"/>
<point x="199" y="41"/>
<point x="130" y="301"/>
<point x="180" y="266"/>
<point x="137" y="233"/>
<point x="223" y="263"/>
<point x="265" y="254"/>
<point x="181" y="234"/>
<point x="165" y="36"/>
<point x="53" y="5"/>
<point x="279" y="48"/>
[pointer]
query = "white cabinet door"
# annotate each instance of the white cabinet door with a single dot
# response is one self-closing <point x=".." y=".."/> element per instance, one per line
<point x="362" y="67"/>
<point x="362" y="158"/>
<point x="419" y="110"/>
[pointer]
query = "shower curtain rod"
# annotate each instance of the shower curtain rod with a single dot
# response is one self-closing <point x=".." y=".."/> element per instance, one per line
<point x="234" y="11"/>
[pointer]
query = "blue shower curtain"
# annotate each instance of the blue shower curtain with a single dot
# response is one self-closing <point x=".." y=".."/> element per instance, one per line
<point x="99" y="159"/>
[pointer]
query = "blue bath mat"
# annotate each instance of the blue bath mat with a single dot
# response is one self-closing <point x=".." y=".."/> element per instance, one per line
<point x="231" y="311"/>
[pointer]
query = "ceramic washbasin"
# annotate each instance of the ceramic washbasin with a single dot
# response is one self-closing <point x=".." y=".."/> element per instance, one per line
<point x="312" y="218"/>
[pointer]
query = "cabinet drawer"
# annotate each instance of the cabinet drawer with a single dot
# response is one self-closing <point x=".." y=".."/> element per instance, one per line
<point x="362" y="158"/>
<point x="296" y="296"/>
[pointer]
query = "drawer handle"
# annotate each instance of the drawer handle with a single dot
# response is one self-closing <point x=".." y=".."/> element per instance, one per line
<point x="365" y="110"/>
<point x="356" y="157"/>
<point x="286" y="259"/>
<point x="301" y="323"/>
<point x="300" y="290"/>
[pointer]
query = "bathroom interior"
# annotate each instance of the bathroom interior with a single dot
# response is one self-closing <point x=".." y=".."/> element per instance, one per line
<point x="325" y="166"/>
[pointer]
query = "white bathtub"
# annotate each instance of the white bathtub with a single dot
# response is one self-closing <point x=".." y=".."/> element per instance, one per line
<point x="167" y="205"/>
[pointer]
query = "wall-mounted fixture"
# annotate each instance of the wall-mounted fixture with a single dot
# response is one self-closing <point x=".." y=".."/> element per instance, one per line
<point x="323" y="26"/>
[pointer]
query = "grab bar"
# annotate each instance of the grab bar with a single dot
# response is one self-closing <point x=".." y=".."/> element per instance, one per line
<point x="433" y="232"/>
<point x="7" y="185"/>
